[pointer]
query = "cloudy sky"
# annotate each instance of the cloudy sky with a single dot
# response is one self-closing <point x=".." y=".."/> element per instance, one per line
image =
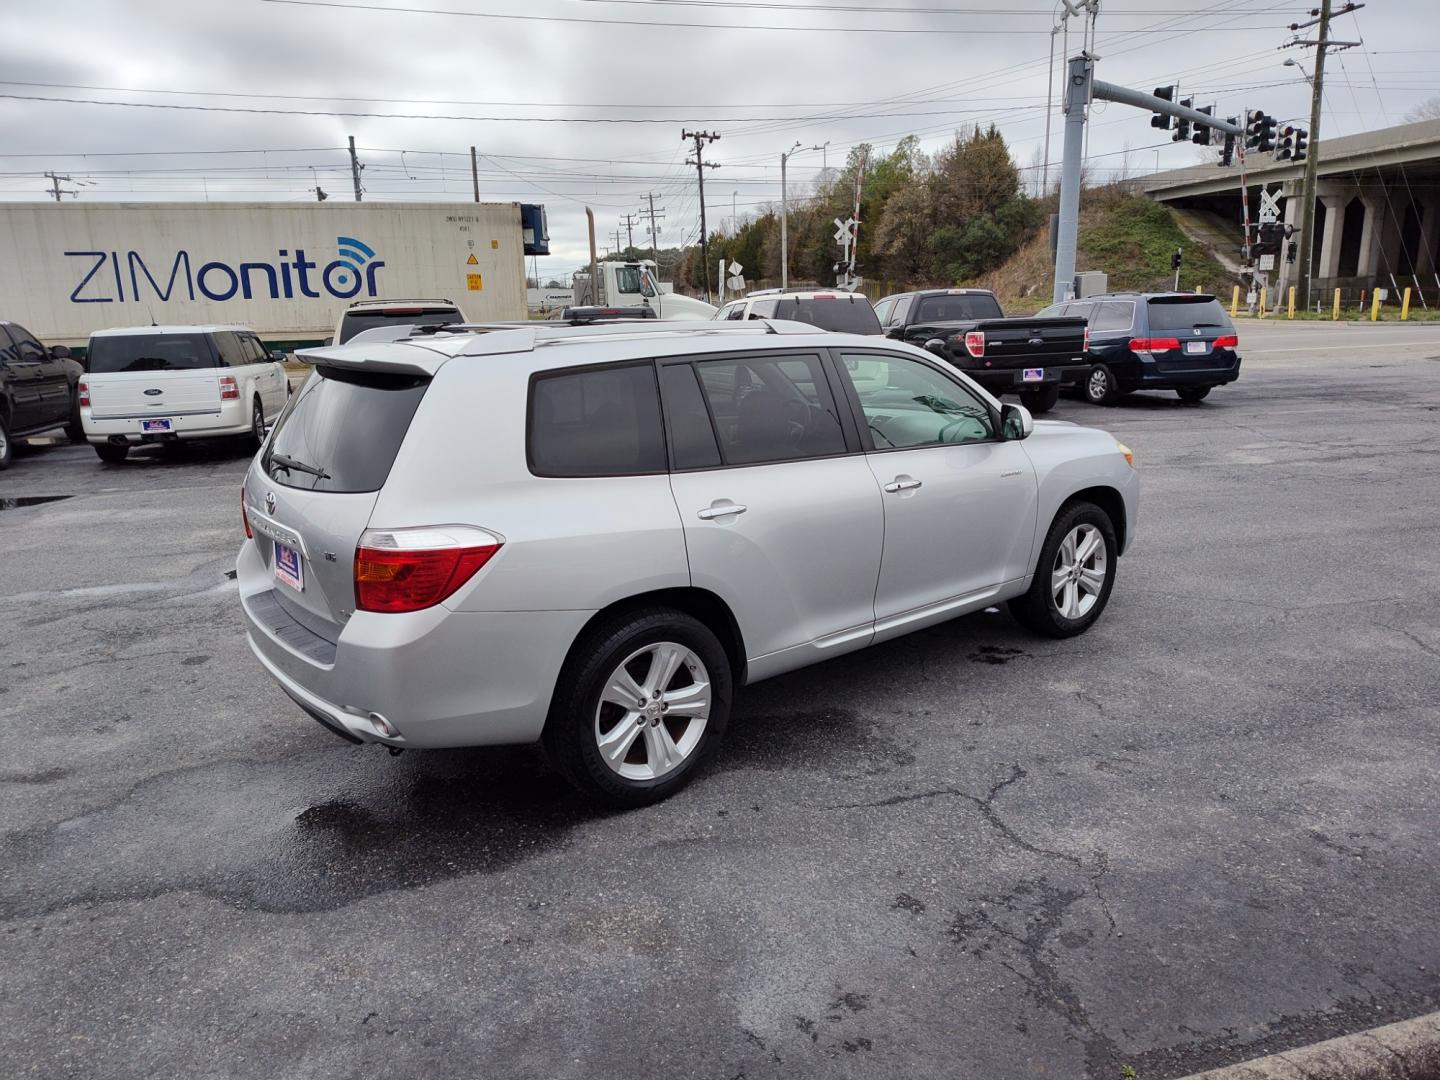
<point x="259" y="96"/>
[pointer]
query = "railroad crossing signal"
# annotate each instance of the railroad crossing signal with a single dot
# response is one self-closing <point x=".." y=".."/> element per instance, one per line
<point x="1269" y="207"/>
<point x="845" y="231"/>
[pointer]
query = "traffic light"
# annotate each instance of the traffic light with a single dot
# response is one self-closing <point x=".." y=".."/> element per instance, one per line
<point x="1182" y="126"/>
<point x="1286" y="149"/>
<point x="1260" y="132"/>
<point x="1302" y="140"/>
<point x="1202" y="131"/>
<point x="1227" y="155"/>
<point x="1162" y="120"/>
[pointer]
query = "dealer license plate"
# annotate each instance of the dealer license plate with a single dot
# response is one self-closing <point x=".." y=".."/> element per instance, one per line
<point x="1033" y="374"/>
<point x="287" y="566"/>
<point x="154" y="425"/>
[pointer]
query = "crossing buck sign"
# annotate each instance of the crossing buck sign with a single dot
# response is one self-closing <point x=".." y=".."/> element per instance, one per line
<point x="1269" y="206"/>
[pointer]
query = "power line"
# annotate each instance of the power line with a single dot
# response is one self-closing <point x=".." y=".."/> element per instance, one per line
<point x="679" y="25"/>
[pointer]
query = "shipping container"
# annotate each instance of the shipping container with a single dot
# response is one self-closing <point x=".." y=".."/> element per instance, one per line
<point x="285" y="270"/>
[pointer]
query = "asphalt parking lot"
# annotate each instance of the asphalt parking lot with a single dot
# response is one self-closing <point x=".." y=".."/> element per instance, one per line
<point x="1203" y="831"/>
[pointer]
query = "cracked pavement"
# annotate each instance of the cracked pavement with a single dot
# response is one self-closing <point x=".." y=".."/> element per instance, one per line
<point x="1203" y="831"/>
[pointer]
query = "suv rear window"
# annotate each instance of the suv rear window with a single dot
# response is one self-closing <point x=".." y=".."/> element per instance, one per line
<point x="150" y="352"/>
<point x="1182" y="314"/>
<point x="602" y="422"/>
<point x="356" y="321"/>
<point x="841" y="314"/>
<point x="956" y="308"/>
<point x="348" y="425"/>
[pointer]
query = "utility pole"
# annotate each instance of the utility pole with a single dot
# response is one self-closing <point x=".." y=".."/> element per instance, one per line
<point x="475" y="172"/>
<point x="652" y="214"/>
<point x="56" y="191"/>
<point x="1312" y="158"/>
<point x="355" y="168"/>
<point x="701" y="138"/>
<point x="629" y="221"/>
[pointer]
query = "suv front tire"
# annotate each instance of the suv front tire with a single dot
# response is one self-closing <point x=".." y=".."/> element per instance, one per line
<point x="643" y="697"/>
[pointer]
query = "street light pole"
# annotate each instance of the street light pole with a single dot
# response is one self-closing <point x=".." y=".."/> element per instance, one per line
<point x="784" y="227"/>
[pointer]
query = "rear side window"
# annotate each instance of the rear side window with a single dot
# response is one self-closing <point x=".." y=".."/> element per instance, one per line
<point x="602" y="422"/>
<point x="692" y="439"/>
<point x="1183" y="314"/>
<point x="355" y="321"/>
<point x="771" y="409"/>
<point x="346" y="425"/>
<point x="232" y="349"/>
<point x="882" y="309"/>
<point x="1114" y="315"/>
<point x="150" y="352"/>
<point x="841" y="314"/>
<point x="956" y="307"/>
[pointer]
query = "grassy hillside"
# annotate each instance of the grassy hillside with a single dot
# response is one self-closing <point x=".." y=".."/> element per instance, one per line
<point x="1128" y="236"/>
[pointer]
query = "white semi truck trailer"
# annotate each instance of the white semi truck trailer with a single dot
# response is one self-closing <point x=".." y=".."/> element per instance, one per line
<point x="286" y="270"/>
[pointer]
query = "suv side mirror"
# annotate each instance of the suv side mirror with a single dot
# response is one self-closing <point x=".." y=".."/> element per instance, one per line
<point x="1016" y="422"/>
<point x="897" y="332"/>
<point x="60" y="352"/>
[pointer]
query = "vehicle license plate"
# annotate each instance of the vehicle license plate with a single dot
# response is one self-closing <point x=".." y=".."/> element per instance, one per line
<point x="1195" y="346"/>
<point x="1033" y="374"/>
<point x="287" y="566"/>
<point x="154" y="425"/>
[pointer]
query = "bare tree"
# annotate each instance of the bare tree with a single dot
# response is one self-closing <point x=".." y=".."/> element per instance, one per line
<point x="1426" y="110"/>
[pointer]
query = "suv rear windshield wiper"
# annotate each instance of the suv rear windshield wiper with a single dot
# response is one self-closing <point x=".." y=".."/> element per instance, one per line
<point x="289" y="464"/>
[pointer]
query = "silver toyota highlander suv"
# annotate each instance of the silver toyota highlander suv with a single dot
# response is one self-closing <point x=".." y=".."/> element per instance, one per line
<point x="592" y="536"/>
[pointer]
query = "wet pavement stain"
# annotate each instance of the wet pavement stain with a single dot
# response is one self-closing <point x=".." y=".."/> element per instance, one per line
<point x="376" y="824"/>
<point x="22" y="501"/>
<point x="995" y="654"/>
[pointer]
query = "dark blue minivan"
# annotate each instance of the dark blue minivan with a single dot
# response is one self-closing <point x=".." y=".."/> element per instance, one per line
<point x="1155" y="341"/>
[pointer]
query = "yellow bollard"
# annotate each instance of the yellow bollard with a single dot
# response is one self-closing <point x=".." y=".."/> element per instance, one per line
<point x="1375" y="307"/>
<point x="1235" y="302"/>
<point x="1262" y="303"/>
<point x="1336" y="313"/>
<point x="1405" y="305"/>
<point x="1292" y="303"/>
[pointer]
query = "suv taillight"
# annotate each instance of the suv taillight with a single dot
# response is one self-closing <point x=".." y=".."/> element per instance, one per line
<point x="229" y="389"/>
<point x="975" y="343"/>
<point x="245" y="514"/>
<point x="1086" y="346"/>
<point x="1153" y="344"/>
<point x="1227" y="341"/>
<point x="84" y="390"/>
<point x="410" y="569"/>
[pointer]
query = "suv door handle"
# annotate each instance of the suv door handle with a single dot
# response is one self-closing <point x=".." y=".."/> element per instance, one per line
<point x="719" y="509"/>
<point x="902" y="483"/>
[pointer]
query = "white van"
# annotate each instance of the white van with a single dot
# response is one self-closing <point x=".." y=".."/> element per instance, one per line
<point x="147" y="384"/>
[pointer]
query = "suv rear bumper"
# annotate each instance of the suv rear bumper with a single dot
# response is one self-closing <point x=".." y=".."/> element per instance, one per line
<point x="229" y="418"/>
<point x="438" y="678"/>
<point x="1161" y="377"/>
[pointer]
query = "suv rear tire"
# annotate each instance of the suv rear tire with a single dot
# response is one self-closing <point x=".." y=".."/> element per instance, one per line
<point x="111" y="453"/>
<point x="6" y="447"/>
<point x="1059" y="571"/>
<point x="611" y="731"/>
<point x="1099" y="386"/>
<point x="1041" y="400"/>
<point x="1193" y="395"/>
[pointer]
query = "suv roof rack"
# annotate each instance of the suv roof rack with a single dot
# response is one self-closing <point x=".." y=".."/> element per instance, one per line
<point x="403" y="300"/>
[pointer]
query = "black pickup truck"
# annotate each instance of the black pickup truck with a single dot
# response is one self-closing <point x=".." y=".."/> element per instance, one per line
<point x="1028" y="356"/>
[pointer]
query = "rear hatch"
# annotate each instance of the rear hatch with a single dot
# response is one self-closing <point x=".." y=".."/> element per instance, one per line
<point x="160" y="374"/>
<point x="844" y="313"/>
<point x="312" y="491"/>
<point x="1188" y="332"/>
<point x="405" y="314"/>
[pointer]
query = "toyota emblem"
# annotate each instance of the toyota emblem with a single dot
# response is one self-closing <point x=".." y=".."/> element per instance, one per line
<point x="270" y="502"/>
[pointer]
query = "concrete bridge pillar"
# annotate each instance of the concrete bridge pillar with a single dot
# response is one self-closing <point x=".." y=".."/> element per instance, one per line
<point x="1370" y="235"/>
<point x="1429" y="236"/>
<point x="1327" y="264"/>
